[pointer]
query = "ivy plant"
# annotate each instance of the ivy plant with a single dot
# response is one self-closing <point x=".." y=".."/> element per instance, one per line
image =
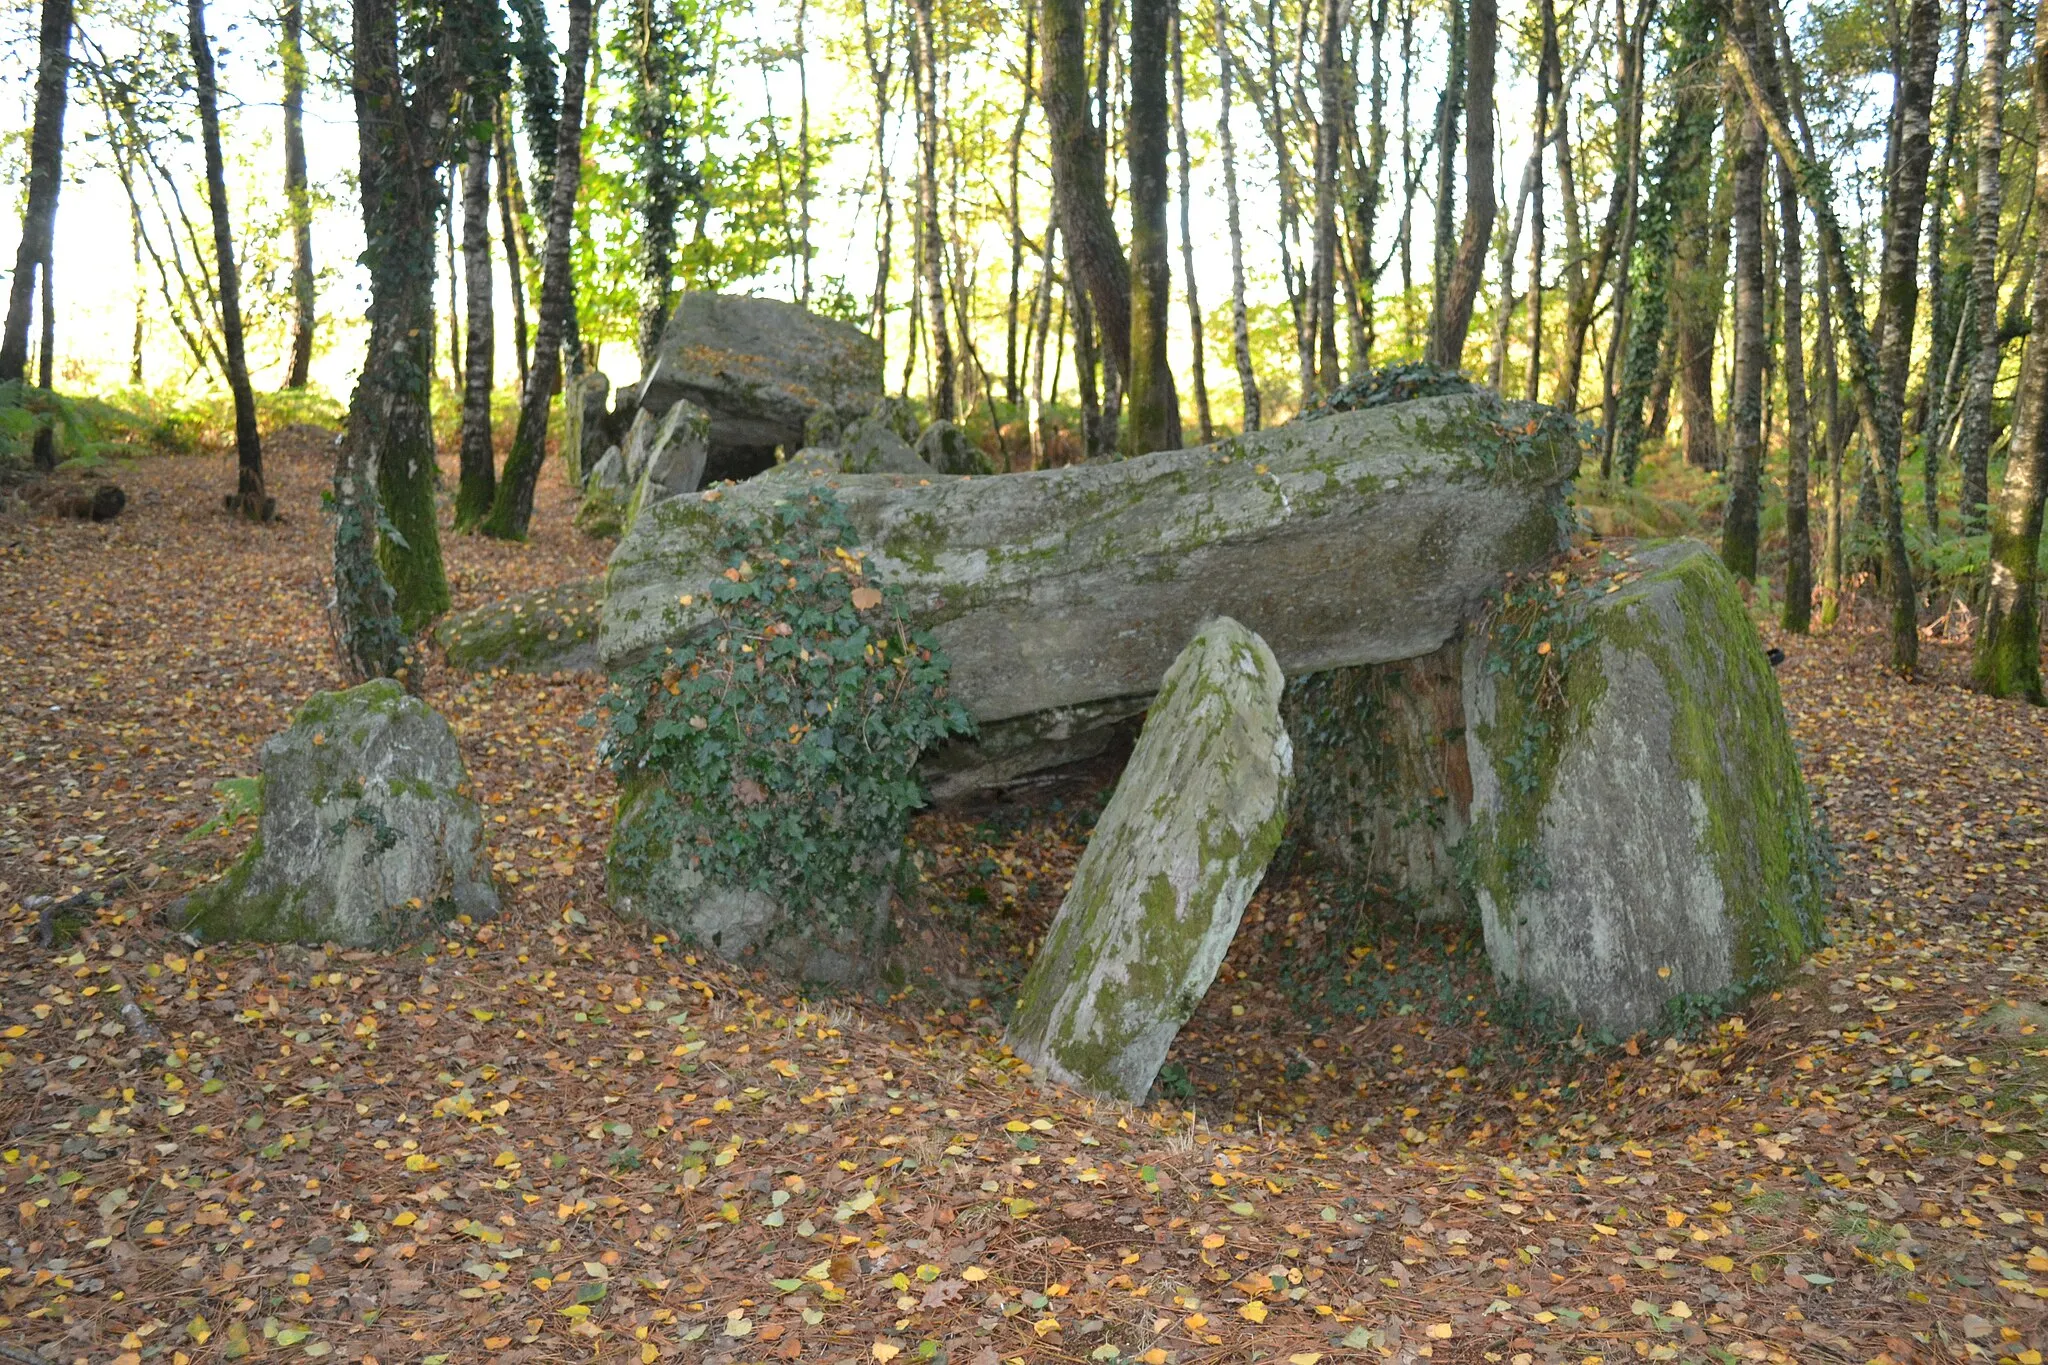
<point x="775" y="747"/>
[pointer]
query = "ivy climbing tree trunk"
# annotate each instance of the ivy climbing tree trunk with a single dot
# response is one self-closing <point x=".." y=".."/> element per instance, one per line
<point x="513" y="510"/>
<point x="1461" y="289"/>
<point x="509" y="235"/>
<point x="660" y="57"/>
<point x="39" y="212"/>
<point x="298" y="201"/>
<point x="1973" y="442"/>
<point x="2008" y="660"/>
<point x="248" y="499"/>
<point x="1153" y="405"/>
<point x="401" y="115"/>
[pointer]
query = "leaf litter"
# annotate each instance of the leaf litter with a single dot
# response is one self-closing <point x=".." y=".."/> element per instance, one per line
<point x="558" y="1136"/>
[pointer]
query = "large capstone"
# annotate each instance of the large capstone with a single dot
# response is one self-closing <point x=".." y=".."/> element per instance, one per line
<point x="761" y="368"/>
<point x="1367" y="537"/>
<point x="1641" y="837"/>
<point x="367" y="835"/>
<point x="1167" y="873"/>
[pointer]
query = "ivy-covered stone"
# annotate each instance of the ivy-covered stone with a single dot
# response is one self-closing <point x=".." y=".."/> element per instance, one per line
<point x="1367" y="537"/>
<point x="1641" y="838"/>
<point x="549" y="630"/>
<point x="1167" y="872"/>
<point x="367" y="835"/>
<point x="766" y="762"/>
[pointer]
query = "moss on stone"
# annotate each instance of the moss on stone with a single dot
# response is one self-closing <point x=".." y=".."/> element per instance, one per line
<point x="553" y="628"/>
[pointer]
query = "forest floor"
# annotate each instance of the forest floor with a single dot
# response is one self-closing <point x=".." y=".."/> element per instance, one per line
<point x="558" y="1138"/>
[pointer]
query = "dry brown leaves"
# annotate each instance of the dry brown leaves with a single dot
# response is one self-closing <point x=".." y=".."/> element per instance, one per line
<point x="562" y="1138"/>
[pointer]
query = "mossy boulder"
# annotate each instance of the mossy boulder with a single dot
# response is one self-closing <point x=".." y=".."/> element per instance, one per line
<point x="1167" y="873"/>
<point x="950" y="450"/>
<point x="742" y="924"/>
<point x="367" y="835"/>
<point x="1367" y="537"/>
<point x="1641" y="839"/>
<point x="871" y="446"/>
<point x="549" y="630"/>
<point x="601" y="514"/>
<point x="584" y="434"/>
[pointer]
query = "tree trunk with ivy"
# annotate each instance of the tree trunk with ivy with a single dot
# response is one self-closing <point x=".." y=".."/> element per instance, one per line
<point x="513" y="509"/>
<point x="400" y="110"/>
<point x="292" y="57"/>
<point x="478" y="481"/>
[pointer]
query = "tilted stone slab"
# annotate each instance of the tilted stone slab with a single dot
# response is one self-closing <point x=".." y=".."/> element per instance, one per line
<point x="366" y="838"/>
<point x="1641" y="836"/>
<point x="1167" y="873"/>
<point x="1365" y="537"/>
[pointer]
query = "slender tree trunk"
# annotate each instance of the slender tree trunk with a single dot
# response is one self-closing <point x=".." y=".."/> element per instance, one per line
<point x="1837" y="433"/>
<point x="1240" y="328"/>
<point x="513" y="509"/>
<point x="1012" y="373"/>
<point x="1296" y="281"/>
<point x="249" y="498"/>
<point x="449" y="198"/>
<point x="924" y="67"/>
<point x="508" y="234"/>
<point x="1187" y="244"/>
<point x="478" y="482"/>
<point x="803" y="150"/>
<point x="1079" y="173"/>
<point x="141" y="294"/>
<point x="1973" y="444"/>
<point x="1874" y="364"/>
<point x="1798" y="420"/>
<point x="1504" y="313"/>
<point x="298" y="203"/>
<point x="1041" y="329"/>
<point x="1549" y="98"/>
<point x="1447" y="344"/>
<point x="657" y="140"/>
<point x="45" y="178"/>
<point x="1698" y="270"/>
<point x="1746" y="394"/>
<point x="1450" y="109"/>
<point x="1944" y="330"/>
<point x="2008" y="660"/>
<point x="400" y="134"/>
<point x="1153" y="405"/>
<point x="1331" y="79"/>
<point x="881" y="59"/>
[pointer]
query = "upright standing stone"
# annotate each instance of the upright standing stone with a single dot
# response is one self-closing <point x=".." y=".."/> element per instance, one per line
<point x="1641" y="835"/>
<point x="1167" y="874"/>
<point x="584" y="434"/>
<point x="367" y="836"/>
<point x="671" y="461"/>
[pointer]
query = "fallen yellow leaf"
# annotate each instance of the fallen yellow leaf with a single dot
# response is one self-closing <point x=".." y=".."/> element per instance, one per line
<point x="1440" y="1331"/>
<point x="1723" y="1264"/>
<point x="1255" y="1311"/>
